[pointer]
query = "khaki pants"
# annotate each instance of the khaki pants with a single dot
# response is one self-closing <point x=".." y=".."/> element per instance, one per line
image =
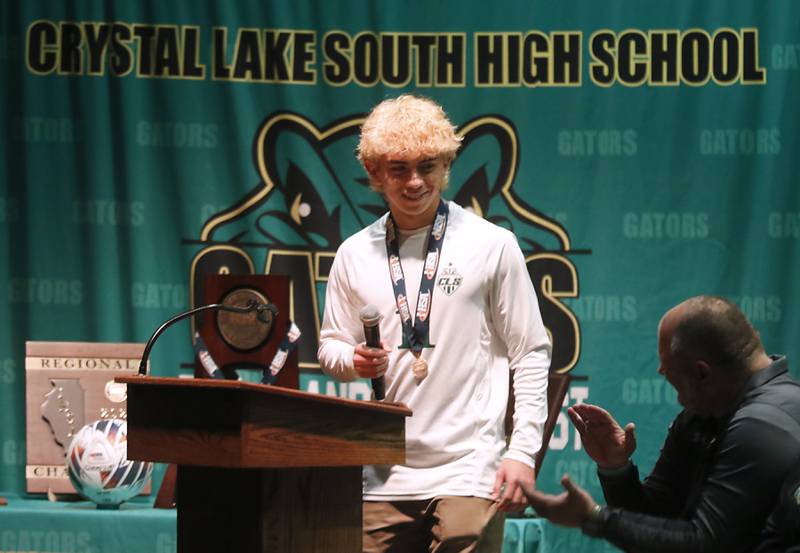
<point x="440" y="525"/>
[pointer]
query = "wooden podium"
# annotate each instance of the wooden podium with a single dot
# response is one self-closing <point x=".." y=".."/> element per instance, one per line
<point x="262" y="468"/>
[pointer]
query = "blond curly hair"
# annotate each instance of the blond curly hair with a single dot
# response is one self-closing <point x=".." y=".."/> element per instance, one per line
<point x="406" y="125"/>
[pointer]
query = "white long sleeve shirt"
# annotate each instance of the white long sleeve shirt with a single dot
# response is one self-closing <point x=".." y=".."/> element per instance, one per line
<point x="484" y="321"/>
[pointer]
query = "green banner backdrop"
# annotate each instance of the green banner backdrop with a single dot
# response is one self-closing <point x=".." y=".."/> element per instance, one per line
<point x="641" y="152"/>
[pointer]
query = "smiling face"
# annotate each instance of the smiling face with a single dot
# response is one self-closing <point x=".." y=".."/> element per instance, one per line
<point x="412" y="187"/>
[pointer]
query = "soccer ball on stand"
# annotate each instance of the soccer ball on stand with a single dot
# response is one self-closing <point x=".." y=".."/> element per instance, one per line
<point x="98" y="465"/>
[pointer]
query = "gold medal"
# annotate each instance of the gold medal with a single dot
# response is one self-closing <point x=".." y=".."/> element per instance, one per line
<point x="420" y="368"/>
<point x="240" y="330"/>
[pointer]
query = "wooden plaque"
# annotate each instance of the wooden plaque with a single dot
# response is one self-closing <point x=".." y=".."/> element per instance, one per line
<point x="69" y="385"/>
<point x="249" y="344"/>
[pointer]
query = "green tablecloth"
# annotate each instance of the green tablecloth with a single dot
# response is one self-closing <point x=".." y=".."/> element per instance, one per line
<point x="39" y="525"/>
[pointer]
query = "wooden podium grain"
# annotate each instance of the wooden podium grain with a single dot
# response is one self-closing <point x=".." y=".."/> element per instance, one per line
<point x="261" y="468"/>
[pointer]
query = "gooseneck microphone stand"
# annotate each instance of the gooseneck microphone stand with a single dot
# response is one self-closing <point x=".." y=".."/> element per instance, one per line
<point x="166" y="498"/>
<point x="252" y="305"/>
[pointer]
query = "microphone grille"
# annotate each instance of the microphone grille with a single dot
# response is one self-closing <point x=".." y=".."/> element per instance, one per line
<point x="369" y="315"/>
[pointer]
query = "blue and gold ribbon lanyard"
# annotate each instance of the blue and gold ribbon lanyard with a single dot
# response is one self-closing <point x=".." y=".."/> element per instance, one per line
<point x="269" y="374"/>
<point x="416" y="329"/>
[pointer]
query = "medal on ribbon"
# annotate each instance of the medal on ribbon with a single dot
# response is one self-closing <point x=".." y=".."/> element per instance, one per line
<point x="420" y="368"/>
<point x="416" y="331"/>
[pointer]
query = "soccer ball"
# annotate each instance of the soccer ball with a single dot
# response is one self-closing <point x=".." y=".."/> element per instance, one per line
<point x="98" y="465"/>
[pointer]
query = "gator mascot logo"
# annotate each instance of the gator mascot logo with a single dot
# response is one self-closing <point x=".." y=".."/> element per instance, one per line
<point x="313" y="194"/>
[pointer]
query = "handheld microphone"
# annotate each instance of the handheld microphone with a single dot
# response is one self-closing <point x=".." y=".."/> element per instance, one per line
<point x="370" y="318"/>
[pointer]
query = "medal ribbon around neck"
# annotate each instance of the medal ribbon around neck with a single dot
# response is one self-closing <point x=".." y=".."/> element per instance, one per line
<point x="416" y="335"/>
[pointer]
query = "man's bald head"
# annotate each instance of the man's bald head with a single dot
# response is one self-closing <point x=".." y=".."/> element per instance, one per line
<point x="714" y="329"/>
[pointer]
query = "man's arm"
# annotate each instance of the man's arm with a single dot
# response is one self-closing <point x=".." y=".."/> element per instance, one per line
<point x="339" y="353"/>
<point x="611" y="447"/>
<point x="517" y="319"/>
<point x="340" y="324"/>
<point x="732" y="505"/>
<point x="664" y="492"/>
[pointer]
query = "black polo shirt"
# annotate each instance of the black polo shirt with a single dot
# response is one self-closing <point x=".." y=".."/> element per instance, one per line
<point x="716" y="480"/>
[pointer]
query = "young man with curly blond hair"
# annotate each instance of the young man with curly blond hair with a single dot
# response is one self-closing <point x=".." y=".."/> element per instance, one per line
<point x="458" y="313"/>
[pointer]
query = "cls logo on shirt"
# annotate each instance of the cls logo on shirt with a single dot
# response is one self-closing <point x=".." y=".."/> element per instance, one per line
<point x="450" y="280"/>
